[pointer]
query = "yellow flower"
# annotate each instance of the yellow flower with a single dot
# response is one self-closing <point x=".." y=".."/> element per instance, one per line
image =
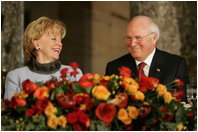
<point x="133" y="112"/>
<point x="161" y="89"/>
<point x="62" y="121"/>
<point x="122" y="114"/>
<point x="127" y="121"/>
<point x="96" y="78"/>
<point x="21" y="95"/>
<point x="139" y="96"/>
<point x="100" y="92"/>
<point x="50" y="109"/>
<point x="107" y="78"/>
<point x="180" y="127"/>
<point x="132" y="88"/>
<point x="52" y="121"/>
<point x="168" y="97"/>
<point x="130" y="84"/>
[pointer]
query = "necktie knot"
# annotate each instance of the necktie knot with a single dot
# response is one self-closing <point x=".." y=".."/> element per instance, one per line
<point x="141" y="65"/>
<point x="140" y="71"/>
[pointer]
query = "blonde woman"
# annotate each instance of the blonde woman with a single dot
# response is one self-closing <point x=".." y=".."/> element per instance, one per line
<point x="42" y="47"/>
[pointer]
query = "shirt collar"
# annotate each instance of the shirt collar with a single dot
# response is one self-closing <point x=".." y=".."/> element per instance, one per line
<point x="148" y="60"/>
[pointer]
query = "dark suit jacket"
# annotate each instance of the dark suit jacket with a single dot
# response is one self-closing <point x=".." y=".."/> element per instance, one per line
<point x="171" y="67"/>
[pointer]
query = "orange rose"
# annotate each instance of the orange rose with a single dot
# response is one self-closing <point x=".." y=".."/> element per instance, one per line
<point x="41" y="93"/>
<point x="106" y="112"/>
<point x="122" y="114"/>
<point x="100" y="92"/>
<point x="127" y="121"/>
<point x="133" y="112"/>
<point x="139" y="96"/>
<point x="52" y="121"/>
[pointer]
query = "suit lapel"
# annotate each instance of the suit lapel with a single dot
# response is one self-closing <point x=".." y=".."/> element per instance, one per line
<point x="156" y="66"/>
<point x="132" y="65"/>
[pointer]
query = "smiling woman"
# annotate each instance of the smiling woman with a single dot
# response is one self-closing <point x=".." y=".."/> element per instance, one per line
<point x="42" y="47"/>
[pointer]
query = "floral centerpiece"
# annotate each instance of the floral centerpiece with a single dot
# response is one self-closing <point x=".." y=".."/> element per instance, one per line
<point x="97" y="103"/>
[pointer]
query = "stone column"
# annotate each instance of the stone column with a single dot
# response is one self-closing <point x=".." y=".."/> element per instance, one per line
<point x="11" y="34"/>
<point x="11" y="38"/>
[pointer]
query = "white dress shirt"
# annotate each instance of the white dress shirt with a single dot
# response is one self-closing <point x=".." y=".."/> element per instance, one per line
<point x="148" y="61"/>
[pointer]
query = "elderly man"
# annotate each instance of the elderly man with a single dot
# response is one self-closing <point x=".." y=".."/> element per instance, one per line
<point x="141" y="39"/>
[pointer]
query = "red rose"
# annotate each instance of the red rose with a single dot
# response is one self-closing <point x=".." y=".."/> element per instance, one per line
<point x="74" y="65"/>
<point x="65" y="100"/>
<point x="29" y="86"/>
<point x="79" y="127"/>
<point x="178" y="95"/>
<point x="106" y="112"/>
<point x="74" y="73"/>
<point x="50" y="84"/>
<point x="167" y="117"/>
<point x="72" y="117"/>
<point x="16" y="102"/>
<point x="87" y="80"/>
<point x="63" y="72"/>
<point x="30" y="111"/>
<point x="155" y="121"/>
<point x="125" y="71"/>
<point x="87" y="76"/>
<point x="164" y="109"/>
<point x="86" y="84"/>
<point x="179" y="83"/>
<point x="190" y="114"/>
<point x="148" y="83"/>
<point x="41" y="104"/>
<point x="83" y="118"/>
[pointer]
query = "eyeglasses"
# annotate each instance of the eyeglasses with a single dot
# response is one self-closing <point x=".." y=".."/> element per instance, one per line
<point x="129" y="39"/>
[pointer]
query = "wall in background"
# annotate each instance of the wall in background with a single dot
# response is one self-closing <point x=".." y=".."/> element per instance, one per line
<point x="95" y="30"/>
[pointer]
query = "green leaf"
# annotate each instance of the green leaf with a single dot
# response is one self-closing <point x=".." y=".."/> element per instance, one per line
<point x="78" y="88"/>
<point x="102" y="127"/>
<point x="59" y="90"/>
<point x="89" y="89"/>
<point x="179" y="116"/>
<point x="52" y="95"/>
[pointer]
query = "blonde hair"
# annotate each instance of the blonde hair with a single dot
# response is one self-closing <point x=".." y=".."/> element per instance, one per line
<point x="36" y="29"/>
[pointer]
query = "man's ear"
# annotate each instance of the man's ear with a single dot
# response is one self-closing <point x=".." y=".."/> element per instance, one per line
<point x="155" y="37"/>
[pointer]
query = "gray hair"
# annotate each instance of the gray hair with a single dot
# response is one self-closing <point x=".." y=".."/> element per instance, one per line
<point x="155" y="28"/>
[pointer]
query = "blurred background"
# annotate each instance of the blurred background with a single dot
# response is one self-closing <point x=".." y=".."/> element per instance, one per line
<point x="95" y="30"/>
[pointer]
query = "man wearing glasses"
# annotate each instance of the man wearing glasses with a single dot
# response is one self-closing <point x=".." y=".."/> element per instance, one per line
<point x="141" y="38"/>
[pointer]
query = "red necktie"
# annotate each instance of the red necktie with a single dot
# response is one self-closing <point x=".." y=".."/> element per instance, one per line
<point x="140" y="70"/>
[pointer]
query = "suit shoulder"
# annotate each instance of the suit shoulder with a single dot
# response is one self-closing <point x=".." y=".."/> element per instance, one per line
<point x="170" y="56"/>
<point x="121" y="59"/>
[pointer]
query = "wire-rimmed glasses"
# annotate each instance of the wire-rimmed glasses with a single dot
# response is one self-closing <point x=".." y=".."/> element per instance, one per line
<point x="129" y="39"/>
